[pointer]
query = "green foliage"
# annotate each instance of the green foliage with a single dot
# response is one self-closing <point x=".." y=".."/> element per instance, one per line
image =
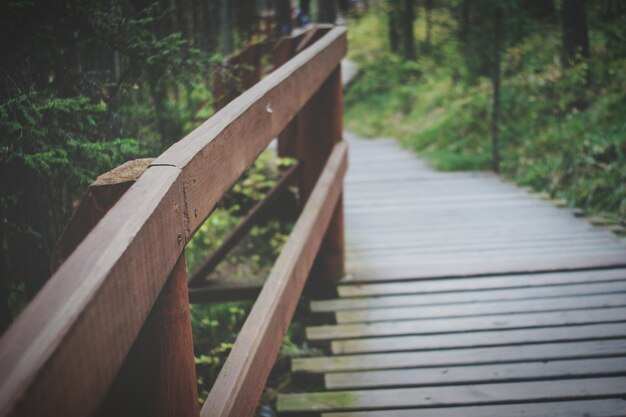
<point x="562" y="130"/>
<point x="215" y="326"/>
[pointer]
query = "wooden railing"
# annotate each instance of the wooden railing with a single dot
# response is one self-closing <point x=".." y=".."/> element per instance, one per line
<point x="110" y="332"/>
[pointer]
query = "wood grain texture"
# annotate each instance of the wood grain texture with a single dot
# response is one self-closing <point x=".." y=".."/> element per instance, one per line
<point x="582" y="302"/>
<point x="455" y="395"/>
<point x="320" y="127"/>
<point x="465" y="324"/>
<point x="481" y="283"/>
<point x="227" y="289"/>
<point x="480" y="339"/>
<point x="455" y="297"/>
<point x="581" y="408"/>
<point x="405" y="221"/>
<point x="101" y="195"/>
<point x="49" y="356"/>
<point x="239" y="384"/>
<point x="284" y="50"/>
<point x="525" y="371"/>
<point x="158" y="377"/>
<point x="214" y="156"/>
<point x="247" y="223"/>
<point x="469" y="356"/>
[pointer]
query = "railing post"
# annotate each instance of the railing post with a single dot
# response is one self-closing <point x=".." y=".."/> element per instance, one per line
<point x="158" y="377"/>
<point x="320" y="126"/>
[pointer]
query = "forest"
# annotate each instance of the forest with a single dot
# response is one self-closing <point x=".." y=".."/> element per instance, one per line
<point x="533" y="90"/>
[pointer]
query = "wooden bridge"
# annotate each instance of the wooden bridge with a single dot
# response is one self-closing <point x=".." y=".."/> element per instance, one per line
<point x="461" y="295"/>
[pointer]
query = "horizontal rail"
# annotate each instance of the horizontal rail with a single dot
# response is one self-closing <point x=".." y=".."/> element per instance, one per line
<point x="259" y="210"/>
<point x="62" y="353"/>
<point x="227" y="289"/>
<point x="214" y="156"/>
<point x="238" y="387"/>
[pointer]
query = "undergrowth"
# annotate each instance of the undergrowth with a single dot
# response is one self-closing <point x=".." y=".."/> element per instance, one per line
<point x="562" y="131"/>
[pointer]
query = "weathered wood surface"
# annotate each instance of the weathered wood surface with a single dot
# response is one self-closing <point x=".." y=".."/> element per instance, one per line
<point x="101" y="195"/>
<point x="477" y="374"/>
<point x="464" y="356"/>
<point x="214" y="155"/>
<point x="256" y="213"/>
<point x="158" y="377"/>
<point x="406" y="221"/>
<point x="63" y="352"/>
<point x="466" y="296"/>
<point x="102" y="285"/>
<point x="590" y="408"/>
<point x="238" y="387"/>
<point x="480" y="339"/>
<point x="565" y="389"/>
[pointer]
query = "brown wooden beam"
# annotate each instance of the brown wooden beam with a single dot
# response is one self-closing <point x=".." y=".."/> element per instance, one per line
<point x="101" y="195"/>
<point x="242" y="229"/>
<point x="227" y="289"/>
<point x="240" y="383"/>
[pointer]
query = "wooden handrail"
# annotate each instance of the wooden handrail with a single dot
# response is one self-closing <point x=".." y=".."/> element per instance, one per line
<point x="239" y="384"/>
<point x="259" y="210"/>
<point x="63" y="352"/>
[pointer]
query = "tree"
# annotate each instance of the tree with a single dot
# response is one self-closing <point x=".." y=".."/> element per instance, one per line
<point x="428" y="16"/>
<point x="575" y="33"/>
<point x="283" y="17"/>
<point x="327" y="12"/>
<point x="392" y="25"/>
<point x="495" y="83"/>
<point x="74" y="96"/>
<point x="408" y="33"/>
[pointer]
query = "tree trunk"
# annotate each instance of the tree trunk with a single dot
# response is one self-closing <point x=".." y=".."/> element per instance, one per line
<point x="495" y="82"/>
<point x="394" y="35"/>
<point x="227" y="45"/>
<point x="327" y="12"/>
<point x="408" y="34"/>
<point x="575" y="34"/>
<point x="428" y="9"/>
<point x="283" y="17"/>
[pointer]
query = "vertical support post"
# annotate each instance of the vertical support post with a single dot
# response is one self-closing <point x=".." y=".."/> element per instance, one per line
<point x="320" y="127"/>
<point x="158" y="377"/>
<point x="283" y="51"/>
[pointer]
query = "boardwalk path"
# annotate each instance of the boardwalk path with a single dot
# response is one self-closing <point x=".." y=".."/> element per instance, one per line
<point x="467" y="296"/>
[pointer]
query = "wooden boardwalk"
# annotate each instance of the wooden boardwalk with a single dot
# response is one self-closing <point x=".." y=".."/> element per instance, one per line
<point x="467" y="296"/>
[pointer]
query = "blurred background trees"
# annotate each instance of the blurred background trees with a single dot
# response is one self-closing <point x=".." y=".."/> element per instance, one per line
<point x="87" y="85"/>
<point x="534" y="89"/>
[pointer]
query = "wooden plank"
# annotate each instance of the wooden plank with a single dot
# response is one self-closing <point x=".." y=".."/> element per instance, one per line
<point x="454" y="395"/>
<point x="453" y="375"/>
<point x="613" y="407"/>
<point x="457" y="357"/>
<point x="480" y="339"/>
<point x="283" y="51"/>
<point x="106" y="285"/>
<point x="408" y="249"/>
<point x="467" y="252"/>
<point x="581" y="302"/>
<point x="214" y="155"/>
<point x="238" y="387"/>
<point x="252" y="217"/>
<point x="454" y="297"/>
<point x="482" y="283"/>
<point x="461" y="324"/>
<point x="492" y="265"/>
<point x="320" y="127"/>
<point x="441" y="237"/>
<point x="158" y="377"/>
<point x="101" y="195"/>
<point x="227" y="289"/>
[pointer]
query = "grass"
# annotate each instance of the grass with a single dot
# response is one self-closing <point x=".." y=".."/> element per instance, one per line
<point x="559" y="132"/>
